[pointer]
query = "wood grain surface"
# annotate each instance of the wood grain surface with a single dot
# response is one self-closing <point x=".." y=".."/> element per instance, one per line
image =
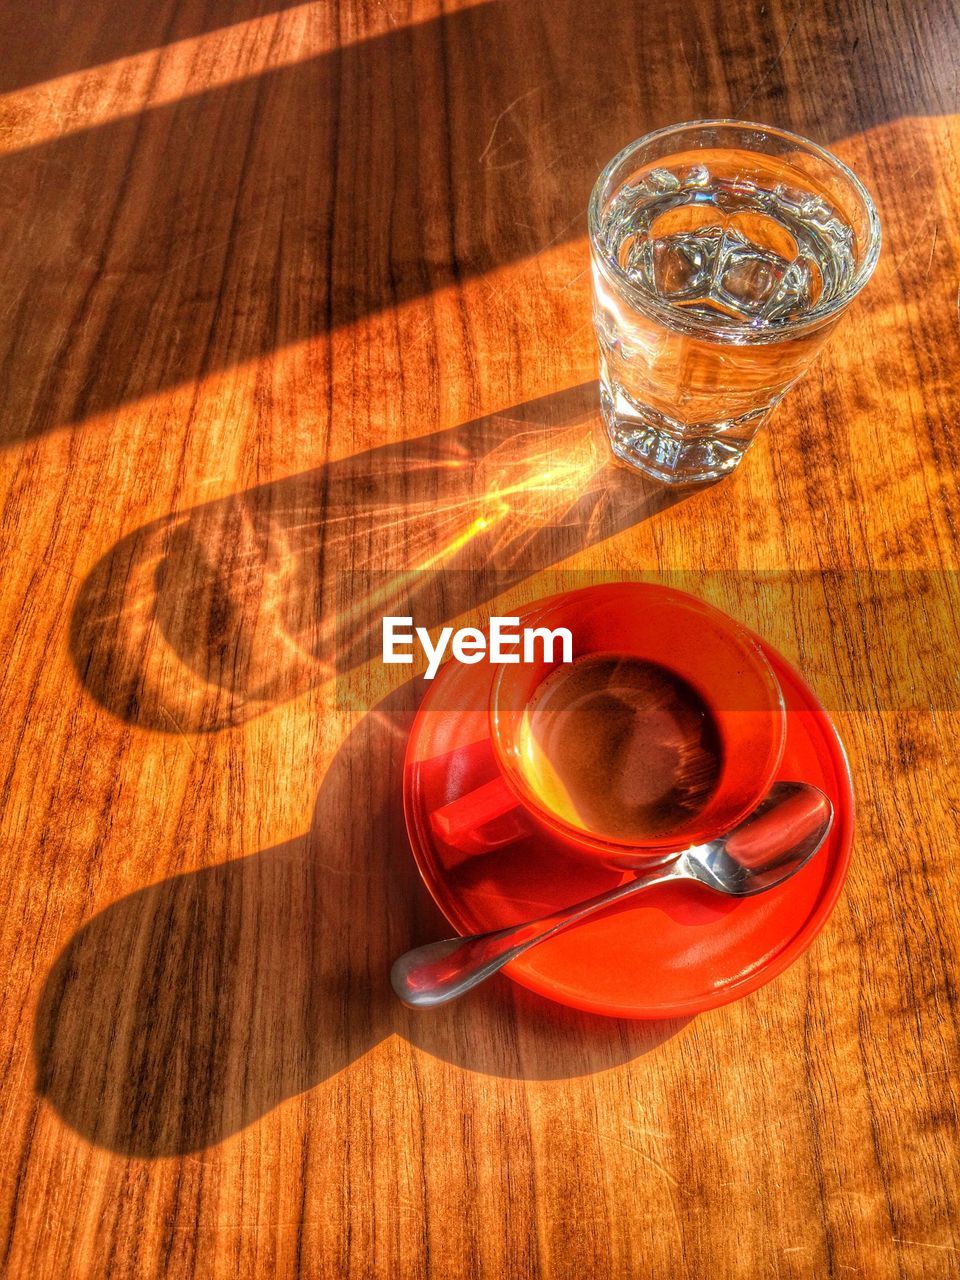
<point x="295" y="314"/>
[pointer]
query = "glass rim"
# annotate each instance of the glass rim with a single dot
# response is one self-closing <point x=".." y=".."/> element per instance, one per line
<point x="734" y="331"/>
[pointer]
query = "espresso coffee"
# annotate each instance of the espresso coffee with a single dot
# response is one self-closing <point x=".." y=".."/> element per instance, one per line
<point x="620" y="746"/>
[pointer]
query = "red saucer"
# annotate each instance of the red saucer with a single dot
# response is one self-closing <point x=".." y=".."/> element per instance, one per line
<point x="674" y="951"/>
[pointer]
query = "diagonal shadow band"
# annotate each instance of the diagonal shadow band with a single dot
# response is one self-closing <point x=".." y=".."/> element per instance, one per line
<point x="74" y="35"/>
<point x="203" y="233"/>
<point x="197" y="235"/>
<point x="184" y="1011"/>
<point x="208" y="617"/>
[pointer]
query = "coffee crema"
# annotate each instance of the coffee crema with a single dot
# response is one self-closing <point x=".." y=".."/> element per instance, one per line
<point x="620" y="746"/>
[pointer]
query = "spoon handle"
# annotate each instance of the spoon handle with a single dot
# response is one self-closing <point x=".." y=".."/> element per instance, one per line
<point x="442" y="971"/>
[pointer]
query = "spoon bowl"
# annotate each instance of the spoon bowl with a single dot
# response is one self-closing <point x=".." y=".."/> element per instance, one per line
<point x="779" y="838"/>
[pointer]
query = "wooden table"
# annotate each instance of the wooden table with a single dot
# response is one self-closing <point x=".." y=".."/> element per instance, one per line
<point x="295" y="304"/>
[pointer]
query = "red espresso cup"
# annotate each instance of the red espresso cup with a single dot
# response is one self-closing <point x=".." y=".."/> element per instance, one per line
<point x="689" y="640"/>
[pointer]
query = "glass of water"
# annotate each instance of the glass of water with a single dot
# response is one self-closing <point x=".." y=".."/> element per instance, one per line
<point x="723" y="254"/>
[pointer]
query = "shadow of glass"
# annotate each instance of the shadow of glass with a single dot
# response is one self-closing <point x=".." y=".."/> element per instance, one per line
<point x="196" y="235"/>
<point x="186" y="1010"/>
<point x="206" y="618"/>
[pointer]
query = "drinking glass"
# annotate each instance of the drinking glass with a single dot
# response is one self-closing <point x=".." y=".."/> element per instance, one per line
<point x="723" y="254"/>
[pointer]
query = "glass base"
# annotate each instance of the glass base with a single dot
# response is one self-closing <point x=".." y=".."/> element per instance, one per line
<point x="676" y="452"/>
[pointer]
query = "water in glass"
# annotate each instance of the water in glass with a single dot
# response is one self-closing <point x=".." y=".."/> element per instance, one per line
<point x="718" y="273"/>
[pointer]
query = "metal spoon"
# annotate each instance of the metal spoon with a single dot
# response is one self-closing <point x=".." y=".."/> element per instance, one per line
<point x="780" y="836"/>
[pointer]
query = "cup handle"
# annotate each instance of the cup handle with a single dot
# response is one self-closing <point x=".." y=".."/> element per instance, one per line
<point x="484" y="819"/>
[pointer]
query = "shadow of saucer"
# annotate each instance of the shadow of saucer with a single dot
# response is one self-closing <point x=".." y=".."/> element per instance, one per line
<point x="183" y="1012"/>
